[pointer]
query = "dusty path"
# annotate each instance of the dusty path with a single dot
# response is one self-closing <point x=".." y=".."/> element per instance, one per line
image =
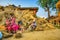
<point x="40" y="35"/>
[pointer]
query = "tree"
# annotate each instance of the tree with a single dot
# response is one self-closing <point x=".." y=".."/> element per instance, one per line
<point x="19" y="5"/>
<point x="47" y="5"/>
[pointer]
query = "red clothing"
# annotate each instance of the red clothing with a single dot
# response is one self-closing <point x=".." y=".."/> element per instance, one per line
<point x="15" y="27"/>
<point x="7" y="22"/>
<point x="12" y="21"/>
<point x="9" y="28"/>
<point x="11" y="25"/>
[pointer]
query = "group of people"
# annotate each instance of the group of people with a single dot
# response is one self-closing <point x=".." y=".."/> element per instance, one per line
<point x="11" y="25"/>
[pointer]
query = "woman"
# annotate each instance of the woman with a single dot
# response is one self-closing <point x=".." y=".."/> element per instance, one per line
<point x="8" y="25"/>
<point x="13" y="24"/>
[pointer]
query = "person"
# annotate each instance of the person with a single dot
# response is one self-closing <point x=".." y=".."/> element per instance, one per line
<point x="33" y="25"/>
<point x="1" y="36"/>
<point x="20" y="23"/>
<point x="15" y="28"/>
<point x="21" y="27"/>
<point x="7" y="21"/>
<point x="8" y="27"/>
<point x="13" y="24"/>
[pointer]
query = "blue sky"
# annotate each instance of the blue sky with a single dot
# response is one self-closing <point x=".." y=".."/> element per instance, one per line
<point x="27" y="3"/>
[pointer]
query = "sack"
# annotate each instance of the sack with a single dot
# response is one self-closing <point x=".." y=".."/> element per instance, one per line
<point x="1" y="35"/>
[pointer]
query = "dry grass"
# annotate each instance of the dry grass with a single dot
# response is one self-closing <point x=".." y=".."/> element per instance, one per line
<point x="40" y="35"/>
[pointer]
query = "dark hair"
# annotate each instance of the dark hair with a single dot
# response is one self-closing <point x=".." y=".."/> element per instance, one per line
<point x="12" y="14"/>
<point x="20" y="22"/>
<point x="7" y="17"/>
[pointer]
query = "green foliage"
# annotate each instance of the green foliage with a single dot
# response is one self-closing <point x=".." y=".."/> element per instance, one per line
<point x="54" y="4"/>
<point x="57" y="26"/>
<point x="47" y="3"/>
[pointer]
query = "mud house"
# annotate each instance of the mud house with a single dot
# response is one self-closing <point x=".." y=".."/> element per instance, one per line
<point x="21" y="13"/>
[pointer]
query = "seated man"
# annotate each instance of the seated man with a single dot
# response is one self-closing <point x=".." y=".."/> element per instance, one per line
<point x="33" y="25"/>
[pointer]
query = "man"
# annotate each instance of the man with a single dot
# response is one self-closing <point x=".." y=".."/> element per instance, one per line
<point x="33" y="25"/>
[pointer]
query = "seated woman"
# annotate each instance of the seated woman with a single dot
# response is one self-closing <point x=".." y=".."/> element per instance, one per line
<point x="13" y="24"/>
<point x="8" y="27"/>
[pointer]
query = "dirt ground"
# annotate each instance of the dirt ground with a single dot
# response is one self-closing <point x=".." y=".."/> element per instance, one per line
<point x="40" y="35"/>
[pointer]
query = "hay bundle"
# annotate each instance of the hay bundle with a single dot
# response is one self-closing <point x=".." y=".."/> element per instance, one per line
<point x="39" y="29"/>
<point x="47" y="26"/>
<point x="18" y="35"/>
<point x="51" y="26"/>
<point x="7" y="35"/>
